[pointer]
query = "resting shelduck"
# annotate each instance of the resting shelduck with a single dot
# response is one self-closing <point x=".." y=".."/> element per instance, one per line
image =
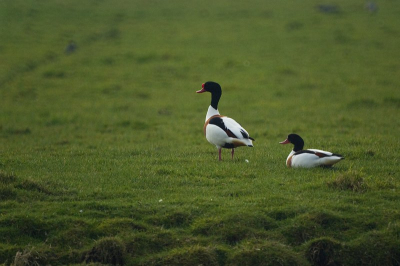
<point x="299" y="158"/>
<point x="222" y="131"/>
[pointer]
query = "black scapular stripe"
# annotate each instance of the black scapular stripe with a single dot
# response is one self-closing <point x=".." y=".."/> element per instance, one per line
<point x="319" y="154"/>
<point x="311" y="152"/>
<point x="220" y="123"/>
<point x="244" y="134"/>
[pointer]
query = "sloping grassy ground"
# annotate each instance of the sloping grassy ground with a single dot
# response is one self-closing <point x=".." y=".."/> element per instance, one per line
<point x="102" y="157"/>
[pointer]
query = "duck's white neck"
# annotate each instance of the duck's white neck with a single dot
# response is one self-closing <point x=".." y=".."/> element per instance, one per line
<point x="211" y="112"/>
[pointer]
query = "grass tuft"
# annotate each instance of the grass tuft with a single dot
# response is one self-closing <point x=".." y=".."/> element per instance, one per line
<point x="233" y="228"/>
<point x="323" y="251"/>
<point x="265" y="253"/>
<point x="352" y="180"/>
<point x="75" y="233"/>
<point x="313" y="225"/>
<point x="373" y="248"/>
<point x="109" y="250"/>
<point x="187" y="256"/>
<point x="149" y="242"/>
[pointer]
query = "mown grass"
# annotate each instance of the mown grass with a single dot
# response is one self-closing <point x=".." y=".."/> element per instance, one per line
<point x="102" y="157"/>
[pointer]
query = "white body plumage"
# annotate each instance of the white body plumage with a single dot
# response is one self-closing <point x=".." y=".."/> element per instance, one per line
<point x="309" y="160"/>
<point x="299" y="158"/>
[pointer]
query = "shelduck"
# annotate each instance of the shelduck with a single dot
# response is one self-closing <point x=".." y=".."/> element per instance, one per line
<point x="299" y="158"/>
<point x="222" y="131"/>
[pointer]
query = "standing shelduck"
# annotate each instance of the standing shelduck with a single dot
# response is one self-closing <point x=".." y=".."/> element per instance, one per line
<point x="222" y="131"/>
<point x="299" y="158"/>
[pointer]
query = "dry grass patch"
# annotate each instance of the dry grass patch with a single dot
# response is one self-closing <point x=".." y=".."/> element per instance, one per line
<point x="29" y="256"/>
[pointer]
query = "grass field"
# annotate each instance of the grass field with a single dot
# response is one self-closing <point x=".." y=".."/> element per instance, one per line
<point x="103" y="158"/>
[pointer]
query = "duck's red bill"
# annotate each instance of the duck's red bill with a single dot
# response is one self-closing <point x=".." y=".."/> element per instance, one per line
<point x="202" y="90"/>
<point x="285" y="142"/>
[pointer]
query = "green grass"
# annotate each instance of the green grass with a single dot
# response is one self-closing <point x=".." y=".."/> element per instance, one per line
<point x="103" y="158"/>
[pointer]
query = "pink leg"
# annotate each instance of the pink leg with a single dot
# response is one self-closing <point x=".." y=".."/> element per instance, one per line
<point x="233" y="151"/>
<point x="219" y="153"/>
